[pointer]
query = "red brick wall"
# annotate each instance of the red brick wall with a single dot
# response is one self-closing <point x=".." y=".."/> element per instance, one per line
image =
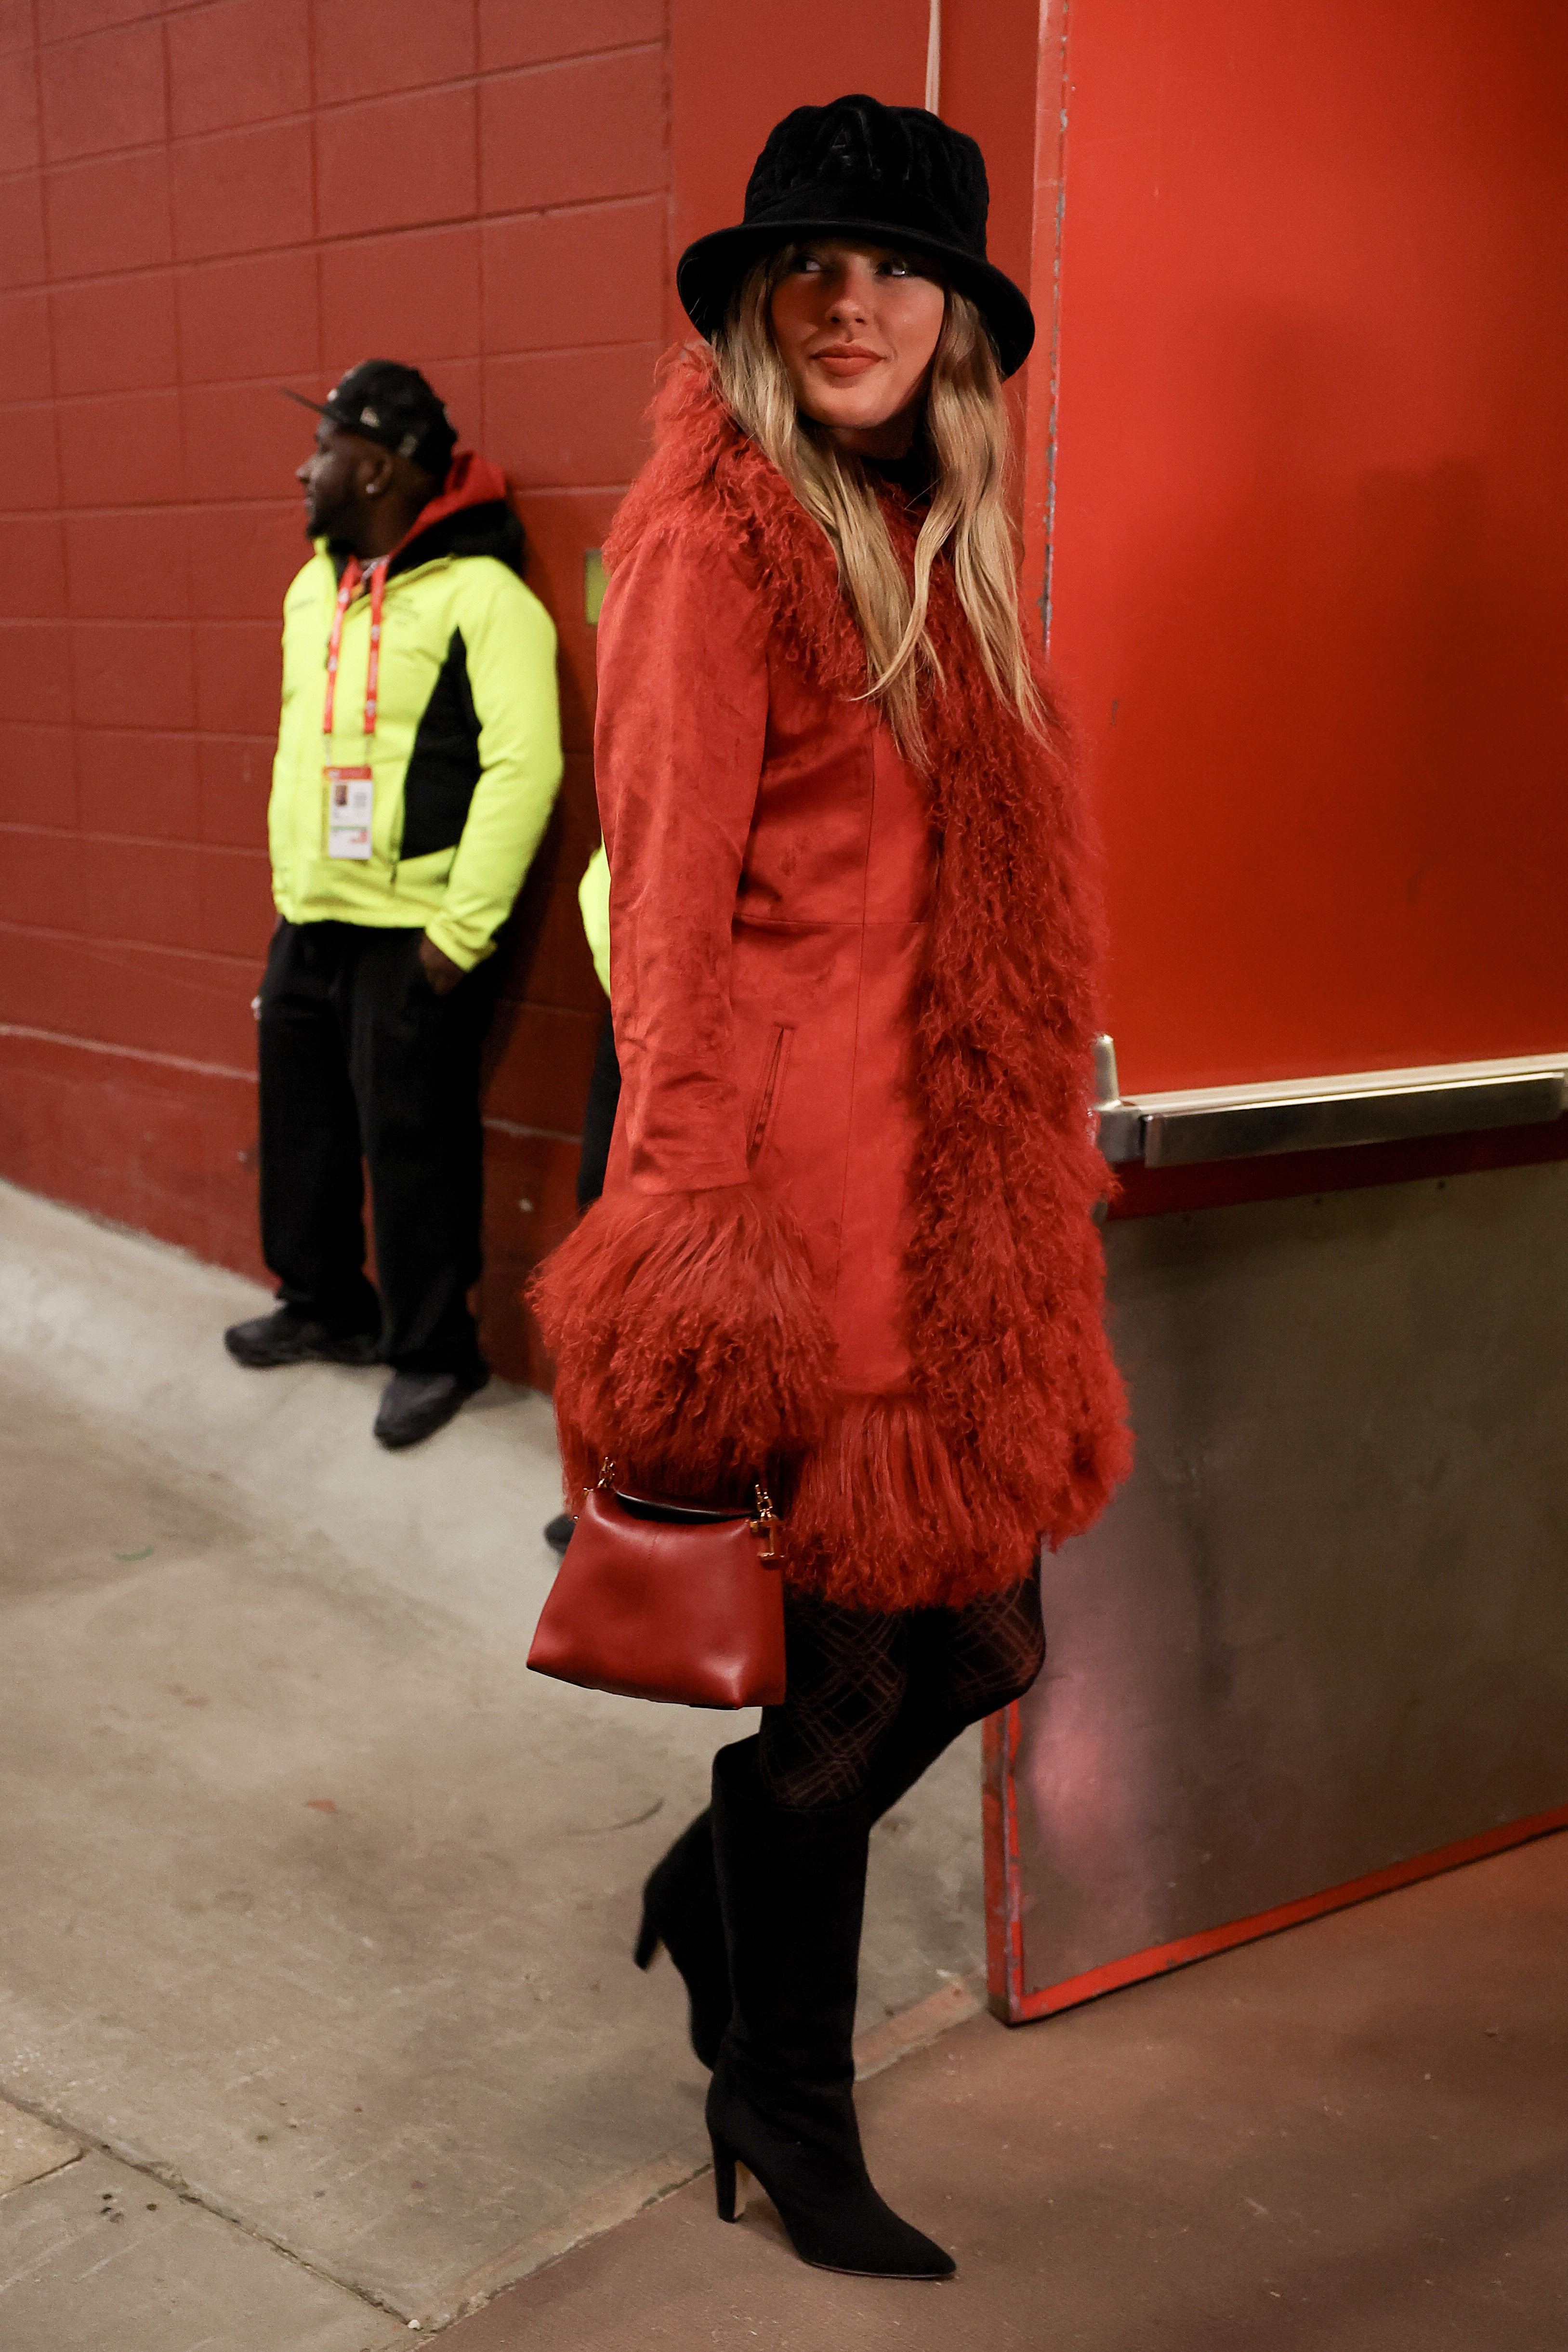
<point x="199" y="203"/>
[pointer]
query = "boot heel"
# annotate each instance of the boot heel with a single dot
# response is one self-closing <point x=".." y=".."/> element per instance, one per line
<point x="779" y="2101"/>
<point x="647" y="1942"/>
<point x="729" y="2184"/>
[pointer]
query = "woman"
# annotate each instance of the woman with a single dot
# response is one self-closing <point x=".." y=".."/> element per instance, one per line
<point x="846" y="1237"/>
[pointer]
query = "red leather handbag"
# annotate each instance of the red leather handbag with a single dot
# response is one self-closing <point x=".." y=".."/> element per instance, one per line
<point x="667" y="1600"/>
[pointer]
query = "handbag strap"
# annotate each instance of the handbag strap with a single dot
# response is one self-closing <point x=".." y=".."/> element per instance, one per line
<point x="764" y="1526"/>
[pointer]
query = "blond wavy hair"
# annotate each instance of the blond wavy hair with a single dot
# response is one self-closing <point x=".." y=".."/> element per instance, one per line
<point x="966" y="429"/>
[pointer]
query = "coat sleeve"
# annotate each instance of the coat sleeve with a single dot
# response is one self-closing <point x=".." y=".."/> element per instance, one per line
<point x="678" y="746"/>
<point x="690" y="1346"/>
<point x="509" y="641"/>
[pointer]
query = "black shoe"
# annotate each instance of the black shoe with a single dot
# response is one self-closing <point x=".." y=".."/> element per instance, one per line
<point x="286" y="1337"/>
<point x="558" y="1534"/>
<point x="781" y="2102"/>
<point x="680" y="1910"/>
<point x="414" y="1405"/>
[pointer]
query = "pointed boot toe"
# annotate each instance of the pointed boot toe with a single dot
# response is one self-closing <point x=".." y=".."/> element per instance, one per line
<point x="781" y="2102"/>
<point x="806" y="2155"/>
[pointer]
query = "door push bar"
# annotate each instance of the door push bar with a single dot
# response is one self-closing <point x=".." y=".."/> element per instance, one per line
<point x="1176" y="1131"/>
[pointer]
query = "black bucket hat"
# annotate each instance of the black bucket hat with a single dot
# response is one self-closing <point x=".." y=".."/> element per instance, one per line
<point x="858" y="168"/>
<point x="392" y="404"/>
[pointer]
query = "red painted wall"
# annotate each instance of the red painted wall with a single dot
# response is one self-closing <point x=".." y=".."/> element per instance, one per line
<point x="1312" y="502"/>
<point x="198" y="205"/>
<point x="736" y="71"/>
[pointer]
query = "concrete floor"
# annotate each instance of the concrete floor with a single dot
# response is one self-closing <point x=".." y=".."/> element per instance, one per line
<point x="1352" y="2137"/>
<point x="317" y="1906"/>
<point x="317" y="2023"/>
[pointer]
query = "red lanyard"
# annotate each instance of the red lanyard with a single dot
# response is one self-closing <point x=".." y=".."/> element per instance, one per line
<point x="352" y="576"/>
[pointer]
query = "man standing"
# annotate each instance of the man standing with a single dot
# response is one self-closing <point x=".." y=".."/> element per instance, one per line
<point x="418" y="760"/>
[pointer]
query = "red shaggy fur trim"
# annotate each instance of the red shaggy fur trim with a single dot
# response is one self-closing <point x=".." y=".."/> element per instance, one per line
<point x="688" y="1342"/>
<point x="888" y="1513"/>
<point x="1015" y="1426"/>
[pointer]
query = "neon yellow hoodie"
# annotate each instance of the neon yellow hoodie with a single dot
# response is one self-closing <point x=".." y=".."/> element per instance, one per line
<point x="465" y="756"/>
<point x="593" y="900"/>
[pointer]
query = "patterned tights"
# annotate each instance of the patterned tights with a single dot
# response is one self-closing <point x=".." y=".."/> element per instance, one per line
<point x="874" y="1699"/>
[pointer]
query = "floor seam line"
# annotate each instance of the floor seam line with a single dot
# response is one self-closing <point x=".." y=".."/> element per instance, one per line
<point x="169" y="2176"/>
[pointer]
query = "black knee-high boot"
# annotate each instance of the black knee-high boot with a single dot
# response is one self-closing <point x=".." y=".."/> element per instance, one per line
<point x="680" y="1910"/>
<point x="781" y="2102"/>
<point x="680" y="1897"/>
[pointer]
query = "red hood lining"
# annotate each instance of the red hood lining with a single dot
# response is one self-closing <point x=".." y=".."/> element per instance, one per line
<point x="471" y="481"/>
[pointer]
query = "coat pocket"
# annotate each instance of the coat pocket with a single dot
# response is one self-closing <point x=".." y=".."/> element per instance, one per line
<point x="769" y="1088"/>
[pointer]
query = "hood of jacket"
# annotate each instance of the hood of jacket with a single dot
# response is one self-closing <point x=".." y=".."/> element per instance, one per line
<point x="470" y="515"/>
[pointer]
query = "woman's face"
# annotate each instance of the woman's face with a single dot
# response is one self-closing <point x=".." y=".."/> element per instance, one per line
<point x="856" y="326"/>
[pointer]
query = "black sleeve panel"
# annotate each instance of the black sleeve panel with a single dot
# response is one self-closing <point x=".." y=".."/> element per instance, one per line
<point x="443" y="766"/>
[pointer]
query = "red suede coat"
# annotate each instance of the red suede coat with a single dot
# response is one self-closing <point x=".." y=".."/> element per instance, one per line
<point x="846" y="1234"/>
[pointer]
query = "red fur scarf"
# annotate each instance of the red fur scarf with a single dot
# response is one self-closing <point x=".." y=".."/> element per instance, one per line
<point x="685" y="1331"/>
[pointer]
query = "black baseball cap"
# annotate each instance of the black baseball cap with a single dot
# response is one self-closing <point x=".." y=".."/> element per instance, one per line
<point x="392" y="405"/>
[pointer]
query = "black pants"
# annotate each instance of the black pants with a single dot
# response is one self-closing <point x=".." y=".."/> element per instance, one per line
<point x="362" y="1061"/>
<point x="599" y="1119"/>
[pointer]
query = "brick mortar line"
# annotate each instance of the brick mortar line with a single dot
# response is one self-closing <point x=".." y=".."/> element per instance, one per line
<point x="92" y="834"/>
<point x="224" y="506"/>
<point x="273" y="382"/>
<point x="318" y="110"/>
<point x="275" y="504"/>
<point x="141" y="1054"/>
<point x="320" y="240"/>
<point x="103" y="947"/>
<point x="45" y="44"/>
<point x="175" y="734"/>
